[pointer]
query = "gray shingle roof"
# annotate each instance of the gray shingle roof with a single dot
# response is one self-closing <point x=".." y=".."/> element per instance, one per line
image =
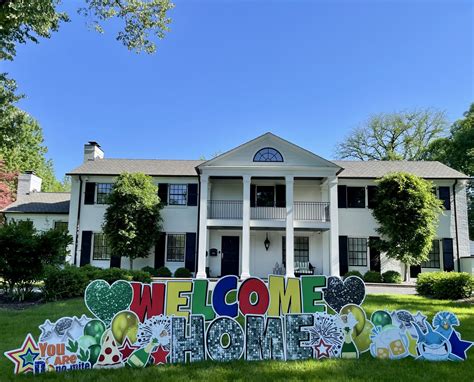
<point x="154" y="167"/>
<point x="41" y="203"/>
<point x="377" y="169"/>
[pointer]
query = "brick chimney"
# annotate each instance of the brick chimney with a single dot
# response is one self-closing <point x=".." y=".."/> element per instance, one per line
<point x="92" y="151"/>
<point x="28" y="182"/>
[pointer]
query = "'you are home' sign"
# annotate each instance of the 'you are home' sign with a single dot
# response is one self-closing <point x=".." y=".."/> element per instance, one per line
<point x="138" y="325"/>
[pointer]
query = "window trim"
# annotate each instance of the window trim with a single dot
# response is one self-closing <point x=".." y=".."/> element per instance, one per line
<point x="365" y="259"/>
<point x="427" y="264"/>
<point x="167" y="260"/>
<point x="170" y="186"/>
<point x="97" y="187"/>
<point x="107" y="248"/>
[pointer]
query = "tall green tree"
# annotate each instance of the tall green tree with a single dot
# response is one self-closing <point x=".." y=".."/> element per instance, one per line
<point x="457" y="151"/>
<point x="132" y="221"/>
<point x="394" y="136"/>
<point x="21" y="140"/>
<point x="407" y="213"/>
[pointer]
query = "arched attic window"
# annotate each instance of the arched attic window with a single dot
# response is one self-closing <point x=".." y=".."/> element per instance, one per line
<point x="268" y="154"/>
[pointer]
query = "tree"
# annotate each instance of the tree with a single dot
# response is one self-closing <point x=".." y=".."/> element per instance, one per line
<point x="7" y="183"/>
<point x="457" y="151"/>
<point x="132" y="221"/>
<point x="21" y="140"/>
<point x="26" y="20"/>
<point x="26" y="253"/>
<point x="407" y="212"/>
<point x="396" y="136"/>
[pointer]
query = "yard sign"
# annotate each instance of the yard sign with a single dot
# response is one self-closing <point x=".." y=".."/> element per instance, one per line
<point x="140" y="325"/>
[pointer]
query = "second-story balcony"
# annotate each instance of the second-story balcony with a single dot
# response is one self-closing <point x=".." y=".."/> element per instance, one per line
<point x="232" y="209"/>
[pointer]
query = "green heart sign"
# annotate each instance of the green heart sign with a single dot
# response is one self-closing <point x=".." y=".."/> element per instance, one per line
<point x="104" y="300"/>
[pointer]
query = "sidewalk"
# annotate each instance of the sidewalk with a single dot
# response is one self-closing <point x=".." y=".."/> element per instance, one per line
<point x="372" y="288"/>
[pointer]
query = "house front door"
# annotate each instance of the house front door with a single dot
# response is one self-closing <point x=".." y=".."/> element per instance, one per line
<point x="230" y="255"/>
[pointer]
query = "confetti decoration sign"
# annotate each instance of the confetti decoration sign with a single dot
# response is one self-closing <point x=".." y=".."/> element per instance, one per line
<point x="139" y="325"/>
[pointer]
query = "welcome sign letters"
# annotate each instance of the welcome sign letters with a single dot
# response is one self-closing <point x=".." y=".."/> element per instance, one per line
<point x="313" y="317"/>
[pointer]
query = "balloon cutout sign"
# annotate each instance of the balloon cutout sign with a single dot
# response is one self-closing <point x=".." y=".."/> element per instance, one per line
<point x="313" y="317"/>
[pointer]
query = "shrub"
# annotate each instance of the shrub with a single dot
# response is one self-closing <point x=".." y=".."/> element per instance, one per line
<point x="373" y="277"/>
<point x="91" y="272"/>
<point x="64" y="283"/>
<point x="182" y="272"/>
<point x="113" y="274"/>
<point x="25" y="254"/>
<point x="392" y="277"/>
<point x="141" y="276"/>
<point x="152" y="271"/>
<point x="163" y="272"/>
<point x="353" y="273"/>
<point x="445" y="285"/>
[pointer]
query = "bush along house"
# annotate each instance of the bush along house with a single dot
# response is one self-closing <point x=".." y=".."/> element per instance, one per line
<point x="265" y="207"/>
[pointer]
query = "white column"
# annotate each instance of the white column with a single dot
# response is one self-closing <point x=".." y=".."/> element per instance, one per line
<point x="334" y="231"/>
<point x="245" y="272"/>
<point x="201" y="273"/>
<point x="290" y="234"/>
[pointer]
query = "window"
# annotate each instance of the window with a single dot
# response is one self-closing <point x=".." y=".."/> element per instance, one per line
<point x="301" y="249"/>
<point x="268" y="154"/>
<point x="356" y="197"/>
<point x="60" y="225"/>
<point x="175" y="247"/>
<point x="265" y="196"/>
<point x="357" y="251"/>
<point x="178" y="194"/>
<point x="444" y="196"/>
<point x="103" y="191"/>
<point x="433" y="261"/>
<point x="101" y="247"/>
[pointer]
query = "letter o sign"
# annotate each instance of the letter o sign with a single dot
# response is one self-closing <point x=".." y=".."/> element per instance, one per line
<point x="257" y="287"/>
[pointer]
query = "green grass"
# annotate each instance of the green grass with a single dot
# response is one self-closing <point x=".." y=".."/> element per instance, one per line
<point x="16" y="324"/>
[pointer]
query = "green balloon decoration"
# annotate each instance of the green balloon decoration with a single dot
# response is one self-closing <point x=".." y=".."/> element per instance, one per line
<point x="94" y="352"/>
<point x="95" y="328"/>
<point x="381" y="318"/>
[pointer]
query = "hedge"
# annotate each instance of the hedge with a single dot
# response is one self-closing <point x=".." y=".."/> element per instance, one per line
<point x="373" y="277"/>
<point x="72" y="281"/>
<point x="353" y="273"/>
<point x="445" y="285"/>
<point x="392" y="277"/>
<point x="182" y="272"/>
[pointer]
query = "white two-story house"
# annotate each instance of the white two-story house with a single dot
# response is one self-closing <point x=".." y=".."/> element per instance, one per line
<point x="266" y="206"/>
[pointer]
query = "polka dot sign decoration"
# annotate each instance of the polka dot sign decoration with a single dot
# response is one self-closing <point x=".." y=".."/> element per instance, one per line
<point x="313" y="317"/>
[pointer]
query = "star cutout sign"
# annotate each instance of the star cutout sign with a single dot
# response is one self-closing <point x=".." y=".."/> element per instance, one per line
<point x="322" y="349"/>
<point x="160" y="355"/>
<point x="25" y="356"/>
<point x="127" y="349"/>
<point x="458" y="346"/>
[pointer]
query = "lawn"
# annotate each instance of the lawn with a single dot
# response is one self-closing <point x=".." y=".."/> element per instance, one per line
<point x="16" y="324"/>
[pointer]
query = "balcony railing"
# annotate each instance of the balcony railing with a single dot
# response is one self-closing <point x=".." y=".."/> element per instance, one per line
<point x="316" y="211"/>
<point x="232" y="209"/>
<point x="224" y="209"/>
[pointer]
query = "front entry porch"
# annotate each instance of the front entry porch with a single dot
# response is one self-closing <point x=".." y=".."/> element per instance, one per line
<point x="311" y="252"/>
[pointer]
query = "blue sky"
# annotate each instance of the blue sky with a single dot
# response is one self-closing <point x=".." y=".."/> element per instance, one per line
<point x="229" y="71"/>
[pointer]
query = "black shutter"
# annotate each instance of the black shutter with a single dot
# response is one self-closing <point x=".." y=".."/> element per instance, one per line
<point x="115" y="261"/>
<point x="374" y="255"/>
<point x="445" y="197"/>
<point x="448" y="255"/>
<point x="160" y="249"/>
<point x="280" y="191"/>
<point x="342" y="196"/>
<point x="252" y="195"/>
<point x="190" y="257"/>
<point x="192" y="194"/>
<point x="163" y="193"/>
<point x="86" y="246"/>
<point x="415" y="270"/>
<point x="89" y="197"/>
<point x="371" y="195"/>
<point x="343" y="264"/>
